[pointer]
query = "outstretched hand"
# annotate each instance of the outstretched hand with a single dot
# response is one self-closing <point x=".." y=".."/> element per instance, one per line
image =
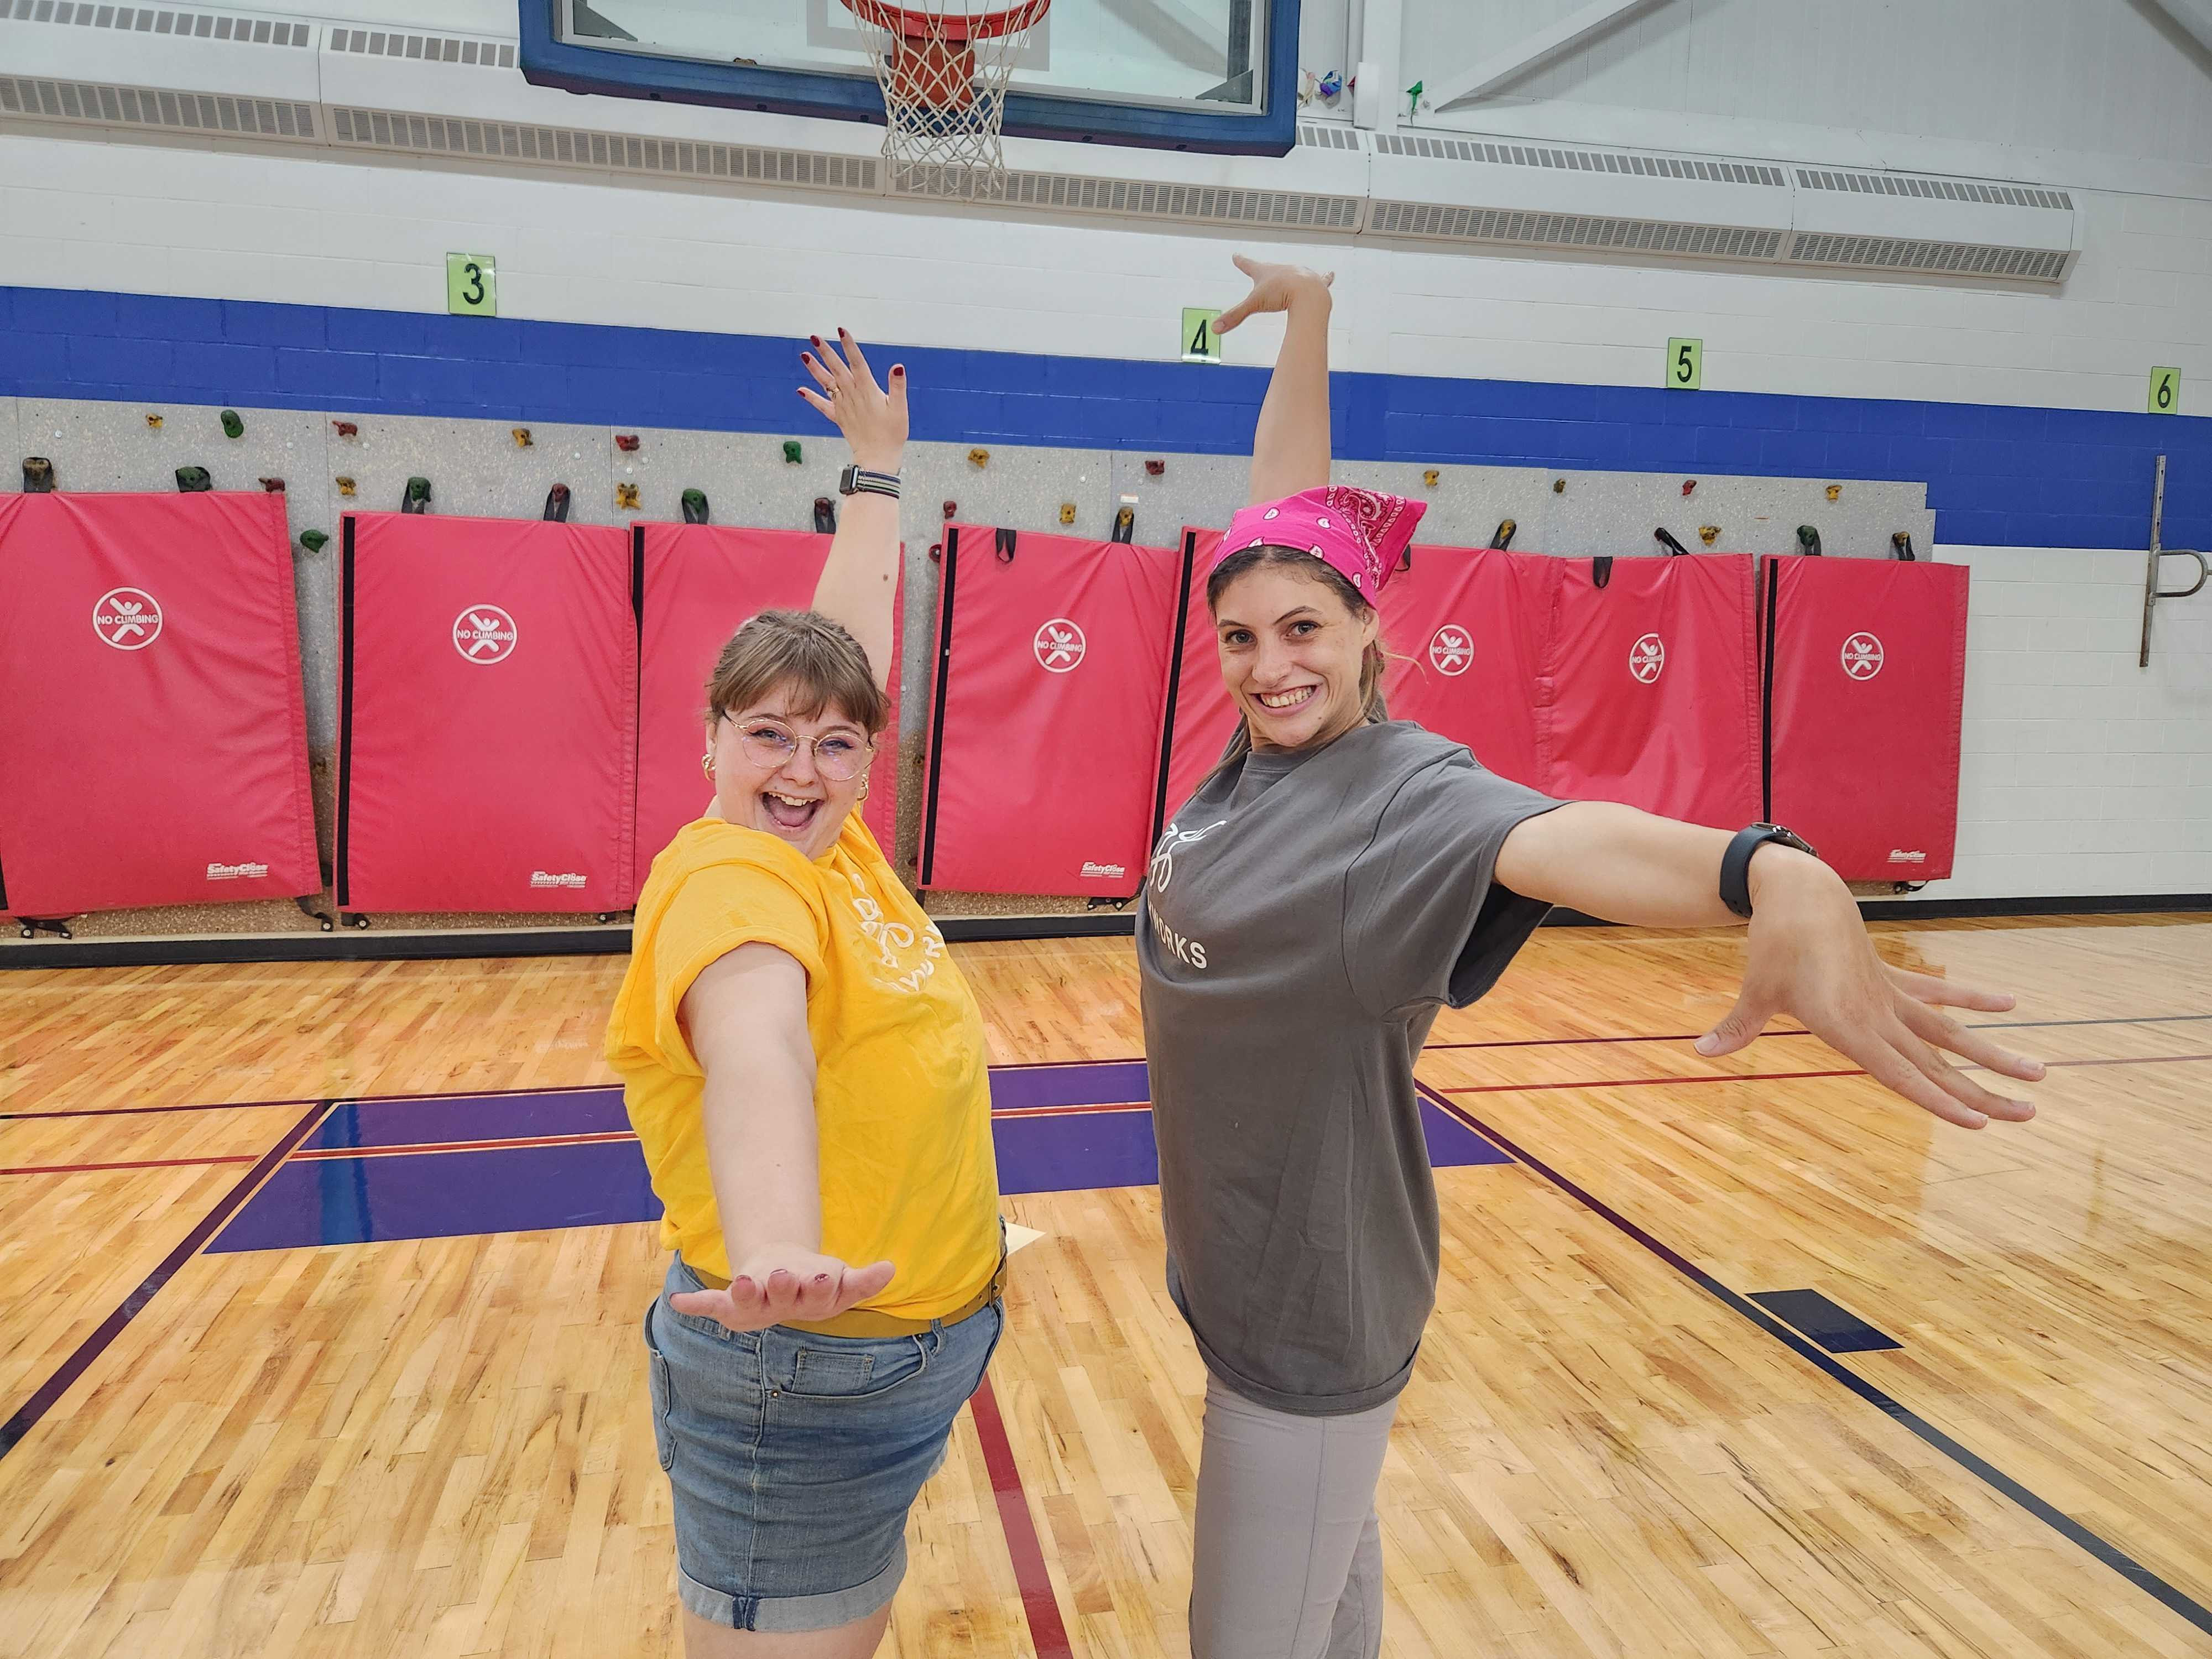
<point x="1810" y="956"/>
<point x="1273" y="288"/>
<point x="783" y="1282"/>
<point x="873" y="421"/>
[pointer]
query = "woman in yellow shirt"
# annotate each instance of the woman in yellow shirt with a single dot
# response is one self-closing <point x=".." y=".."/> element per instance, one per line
<point x="805" y="1067"/>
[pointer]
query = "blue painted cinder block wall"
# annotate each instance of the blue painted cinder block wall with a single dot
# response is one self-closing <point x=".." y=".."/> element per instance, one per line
<point x="1996" y="475"/>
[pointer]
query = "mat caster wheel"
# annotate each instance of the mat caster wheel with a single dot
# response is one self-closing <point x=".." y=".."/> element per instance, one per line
<point x="322" y="918"/>
<point x="327" y="925"/>
<point x="605" y="916"/>
<point x="355" y="921"/>
<point x="34" y="926"/>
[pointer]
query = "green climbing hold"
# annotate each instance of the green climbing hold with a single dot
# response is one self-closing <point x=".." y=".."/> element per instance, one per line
<point x="313" y="540"/>
<point x="193" y="480"/>
<point x="417" y="498"/>
<point x="1413" y="93"/>
<point x="791" y="450"/>
<point x="694" y="507"/>
<point x="231" y="426"/>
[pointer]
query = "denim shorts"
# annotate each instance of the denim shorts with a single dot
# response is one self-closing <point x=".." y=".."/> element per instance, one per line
<point x="794" y="1458"/>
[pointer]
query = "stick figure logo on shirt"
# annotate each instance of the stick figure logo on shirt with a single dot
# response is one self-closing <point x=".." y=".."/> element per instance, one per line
<point x="1163" y="870"/>
<point x="1060" y="645"/>
<point x="1647" y="657"/>
<point x="1452" y="650"/>
<point x="1862" y="656"/>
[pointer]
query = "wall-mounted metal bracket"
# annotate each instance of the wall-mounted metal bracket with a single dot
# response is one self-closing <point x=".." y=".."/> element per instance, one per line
<point x="2152" y="592"/>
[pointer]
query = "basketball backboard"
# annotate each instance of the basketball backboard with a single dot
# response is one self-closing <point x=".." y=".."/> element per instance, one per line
<point x="1198" y="75"/>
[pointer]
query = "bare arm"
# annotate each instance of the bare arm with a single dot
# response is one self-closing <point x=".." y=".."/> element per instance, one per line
<point x="745" y="1017"/>
<point x="1290" y="450"/>
<point x="1808" y="954"/>
<point x="859" y="584"/>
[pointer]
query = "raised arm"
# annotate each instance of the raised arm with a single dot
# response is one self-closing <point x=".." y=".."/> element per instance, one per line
<point x="1809" y="955"/>
<point x="859" y="584"/>
<point x="1290" y="451"/>
<point x="745" y="1018"/>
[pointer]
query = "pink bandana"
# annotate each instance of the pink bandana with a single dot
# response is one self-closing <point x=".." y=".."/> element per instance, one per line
<point x="1358" y="533"/>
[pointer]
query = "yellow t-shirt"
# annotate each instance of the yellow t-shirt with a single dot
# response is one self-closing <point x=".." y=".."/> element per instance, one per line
<point x="902" y="1094"/>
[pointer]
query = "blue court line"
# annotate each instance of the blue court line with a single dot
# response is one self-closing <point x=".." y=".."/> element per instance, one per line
<point x="2050" y="1514"/>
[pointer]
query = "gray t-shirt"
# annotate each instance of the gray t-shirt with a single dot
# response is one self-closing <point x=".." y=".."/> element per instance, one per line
<point x="1305" y="917"/>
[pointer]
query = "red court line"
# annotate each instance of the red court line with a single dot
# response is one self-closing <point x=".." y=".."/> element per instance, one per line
<point x="1564" y="1043"/>
<point x="584" y="1137"/>
<point x="136" y="1164"/>
<point x="1038" y="1605"/>
<point x="1071" y="1111"/>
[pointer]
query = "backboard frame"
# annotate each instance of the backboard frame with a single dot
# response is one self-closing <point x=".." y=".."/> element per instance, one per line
<point x="546" y="60"/>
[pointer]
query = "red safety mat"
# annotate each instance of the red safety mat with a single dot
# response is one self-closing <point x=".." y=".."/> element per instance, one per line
<point x="1866" y="677"/>
<point x="1465" y="627"/>
<point x="1199" y="714"/>
<point x="1650" y="689"/>
<point x="1052" y="662"/>
<point x="488" y="715"/>
<point x="153" y="733"/>
<point x="701" y="584"/>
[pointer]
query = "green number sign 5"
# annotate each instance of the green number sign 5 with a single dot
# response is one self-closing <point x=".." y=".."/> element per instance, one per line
<point x="1686" y="364"/>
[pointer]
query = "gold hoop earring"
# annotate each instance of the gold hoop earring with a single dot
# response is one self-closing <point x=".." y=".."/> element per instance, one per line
<point x="864" y="786"/>
<point x="707" y="762"/>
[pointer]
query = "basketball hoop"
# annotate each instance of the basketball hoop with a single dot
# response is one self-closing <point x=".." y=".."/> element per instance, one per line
<point x="943" y="66"/>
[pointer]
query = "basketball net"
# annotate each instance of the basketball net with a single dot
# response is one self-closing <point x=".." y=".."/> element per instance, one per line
<point x="944" y="68"/>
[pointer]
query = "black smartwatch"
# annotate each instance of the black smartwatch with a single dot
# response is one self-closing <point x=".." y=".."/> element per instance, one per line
<point x="1735" y="863"/>
<point x="855" y="481"/>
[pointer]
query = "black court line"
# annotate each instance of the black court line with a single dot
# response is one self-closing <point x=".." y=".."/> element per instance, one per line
<point x="2050" y="1514"/>
<point x="26" y="1417"/>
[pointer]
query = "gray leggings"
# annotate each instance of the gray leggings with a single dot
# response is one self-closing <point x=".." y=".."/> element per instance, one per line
<point x="1288" y="1560"/>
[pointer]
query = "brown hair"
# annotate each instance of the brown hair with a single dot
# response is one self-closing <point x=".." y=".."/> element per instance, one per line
<point x="1371" y="665"/>
<point x="824" y="665"/>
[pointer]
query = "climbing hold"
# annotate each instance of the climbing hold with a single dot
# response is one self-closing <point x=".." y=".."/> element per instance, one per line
<point x="627" y="442"/>
<point x="1156" y="469"/>
<point x="1125" y="521"/>
<point x="1559" y="486"/>
<point x="825" y="516"/>
<point x="154" y="422"/>
<point x="979" y="458"/>
<point x="1331" y="84"/>
<point x="1808" y="539"/>
<point x="347" y="428"/>
<point x="1430" y="476"/>
<point x="1502" y="538"/>
<point x="556" y="504"/>
<point x="417" y="496"/>
<point x="522" y="438"/>
<point x="313" y="540"/>
<point x="1709" y="533"/>
<point x="951" y="511"/>
<point x="1068" y="512"/>
<point x="231" y="426"/>
<point x="345" y="485"/>
<point x="694" y="507"/>
<point x="193" y="480"/>
<point x="626" y="496"/>
<point x="937" y="553"/>
<point x="38" y="476"/>
<point x="1688" y="484"/>
<point x="273" y="486"/>
<point x="1414" y="94"/>
<point x="1667" y="541"/>
<point x="790" y="451"/>
<point x="1900" y="543"/>
<point x="1834" y="490"/>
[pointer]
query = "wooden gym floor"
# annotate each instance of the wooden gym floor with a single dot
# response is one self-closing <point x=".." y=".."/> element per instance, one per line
<point x="225" y="1434"/>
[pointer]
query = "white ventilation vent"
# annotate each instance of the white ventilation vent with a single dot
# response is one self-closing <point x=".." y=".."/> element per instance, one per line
<point x="1321" y="135"/>
<point x="1622" y="163"/>
<point x="424" y="48"/>
<point x="1933" y="190"/>
<point x="1145" y="198"/>
<point x="567" y="147"/>
<point x="140" y="107"/>
<point x="1581" y="231"/>
<point x="1937" y="258"/>
<point x="160" y="20"/>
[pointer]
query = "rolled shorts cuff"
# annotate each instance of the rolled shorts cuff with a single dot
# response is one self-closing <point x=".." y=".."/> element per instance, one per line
<point x="790" y="1614"/>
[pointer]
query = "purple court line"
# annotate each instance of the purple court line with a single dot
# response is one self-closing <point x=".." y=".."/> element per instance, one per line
<point x="27" y="1415"/>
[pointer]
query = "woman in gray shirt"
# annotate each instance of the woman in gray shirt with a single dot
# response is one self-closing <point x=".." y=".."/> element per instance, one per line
<point x="1337" y="880"/>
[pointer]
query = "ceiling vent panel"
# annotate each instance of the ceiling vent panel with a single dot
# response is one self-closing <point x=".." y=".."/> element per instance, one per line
<point x="1935" y="227"/>
<point x="221" y="54"/>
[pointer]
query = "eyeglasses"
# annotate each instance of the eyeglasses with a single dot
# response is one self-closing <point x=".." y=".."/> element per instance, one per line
<point x="770" y="747"/>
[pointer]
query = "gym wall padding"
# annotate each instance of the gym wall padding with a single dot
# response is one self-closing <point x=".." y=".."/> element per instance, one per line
<point x="1199" y="715"/>
<point x="153" y="730"/>
<point x="1052" y="666"/>
<point x="1649" y="693"/>
<point x="488" y="715"/>
<point x="1865" y="682"/>
<point x="1465" y="630"/>
<point x="700" y="584"/>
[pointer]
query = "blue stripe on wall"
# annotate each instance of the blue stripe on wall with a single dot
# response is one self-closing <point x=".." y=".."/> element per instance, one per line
<point x="1996" y="475"/>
